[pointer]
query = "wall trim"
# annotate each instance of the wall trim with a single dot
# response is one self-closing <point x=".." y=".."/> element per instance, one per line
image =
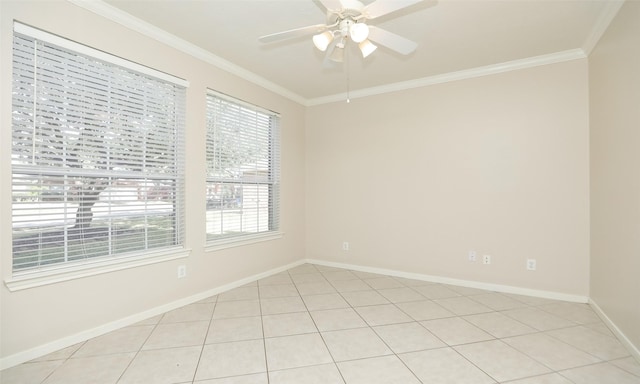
<point x="42" y="350"/>
<point x="607" y="15"/>
<point x="458" y="282"/>
<point x="635" y="352"/>
<point x="530" y="62"/>
<point x="118" y="16"/>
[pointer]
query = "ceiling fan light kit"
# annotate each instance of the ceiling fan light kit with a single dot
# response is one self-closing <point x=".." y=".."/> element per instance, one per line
<point x="347" y="20"/>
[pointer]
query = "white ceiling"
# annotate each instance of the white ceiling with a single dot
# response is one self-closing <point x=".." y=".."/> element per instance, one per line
<point x="452" y="36"/>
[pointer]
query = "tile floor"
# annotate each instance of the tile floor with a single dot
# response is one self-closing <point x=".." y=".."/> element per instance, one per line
<point x="323" y="325"/>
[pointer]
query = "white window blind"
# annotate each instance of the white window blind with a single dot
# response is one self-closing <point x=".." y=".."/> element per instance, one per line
<point x="243" y="166"/>
<point x="97" y="156"/>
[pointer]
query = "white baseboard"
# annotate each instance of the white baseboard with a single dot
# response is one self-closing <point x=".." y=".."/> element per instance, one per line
<point x="635" y="352"/>
<point x="42" y="350"/>
<point x="458" y="282"/>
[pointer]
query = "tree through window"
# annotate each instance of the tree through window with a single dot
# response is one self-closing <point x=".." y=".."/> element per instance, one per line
<point x="97" y="155"/>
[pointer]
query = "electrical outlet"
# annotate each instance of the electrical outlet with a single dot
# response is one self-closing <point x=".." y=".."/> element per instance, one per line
<point x="531" y="264"/>
<point x="486" y="259"/>
<point x="345" y="245"/>
<point x="472" y="256"/>
<point x="182" y="271"/>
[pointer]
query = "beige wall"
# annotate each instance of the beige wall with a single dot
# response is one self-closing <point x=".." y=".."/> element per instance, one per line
<point x="497" y="164"/>
<point x="34" y="317"/>
<point x="614" y="85"/>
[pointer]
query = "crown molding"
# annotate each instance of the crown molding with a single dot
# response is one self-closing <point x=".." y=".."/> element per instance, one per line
<point x="492" y="69"/>
<point x="116" y="15"/>
<point x="606" y="17"/>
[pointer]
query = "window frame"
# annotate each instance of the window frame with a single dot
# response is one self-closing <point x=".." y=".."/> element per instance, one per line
<point x="274" y="227"/>
<point x="67" y="270"/>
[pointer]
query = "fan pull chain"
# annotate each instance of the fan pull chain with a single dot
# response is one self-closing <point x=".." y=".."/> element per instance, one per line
<point x="346" y="63"/>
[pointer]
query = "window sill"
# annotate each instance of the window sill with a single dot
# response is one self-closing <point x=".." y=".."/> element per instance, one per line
<point x="217" y="245"/>
<point x="31" y="279"/>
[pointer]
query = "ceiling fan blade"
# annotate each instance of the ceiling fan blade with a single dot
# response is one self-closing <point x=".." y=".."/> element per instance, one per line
<point x="331" y="5"/>
<point x="383" y="7"/>
<point x="292" y="33"/>
<point x="391" y="40"/>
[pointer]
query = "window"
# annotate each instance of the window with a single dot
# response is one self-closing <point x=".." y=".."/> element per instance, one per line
<point x="242" y="169"/>
<point x="97" y="156"/>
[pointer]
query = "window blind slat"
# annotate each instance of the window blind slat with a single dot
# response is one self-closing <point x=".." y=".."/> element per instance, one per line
<point x="97" y="158"/>
<point x="242" y="179"/>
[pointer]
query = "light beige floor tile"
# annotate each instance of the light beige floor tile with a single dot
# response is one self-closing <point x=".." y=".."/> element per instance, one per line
<point x="590" y="341"/>
<point x="383" y="283"/>
<point x="29" y="373"/>
<point x="551" y="352"/>
<point x="354" y="344"/>
<point x="258" y="378"/>
<point x="350" y="285"/>
<point x="499" y="325"/>
<point x="600" y="328"/>
<point x="412" y="282"/>
<point x="498" y="301"/>
<point x="467" y="291"/>
<point x="174" y="335"/>
<point x="629" y="364"/>
<point x="235" y="329"/>
<point x="288" y="324"/>
<point x="231" y="359"/>
<point x="278" y="278"/>
<point x="531" y="300"/>
<point x="278" y="290"/>
<point x="242" y="308"/>
<point x="191" y="312"/>
<point x="363" y="298"/>
<point x="128" y="339"/>
<point x="279" y="305"/>
<point x="303" y="268"/>
<point x="240" y="293"/>
<point x="316" y="277"/>
<point x="501" y="361"/>
<point x="163" y="366"/>
<point x="444" y="366"/>
<point x="600" y="374"/>
<point x="424" y="310"/>
<point x="150" y="321"/>
<point x="61" y="354"/>
<point x="339" y="275"/>
<point x="408" y="337"/>
<point x="551" y="378"/>
<point x="538" y="319"/>
<point x="436" y="291"/>
<point x="210" y="299"/>
<point x="463" y="306"/>
<point x="296" y="351"/>
<point x="367" y="275"/>
<point x="97" y="370"/>
<point x="578" y="313"/>
<point x="326" y="301"/>
<point x="315" y="288"/>
<point x="401" y="295"/>
<point x="383" y="314"/>
<point x="337" y="319"/>
<point x="377" y="370"/>
<point x="455" y="331"/>
<point x="317" y="374"/>
<point x="327" y="268"/>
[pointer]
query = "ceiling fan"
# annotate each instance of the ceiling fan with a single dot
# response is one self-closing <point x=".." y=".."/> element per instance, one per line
<point x="347" y="20"/>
